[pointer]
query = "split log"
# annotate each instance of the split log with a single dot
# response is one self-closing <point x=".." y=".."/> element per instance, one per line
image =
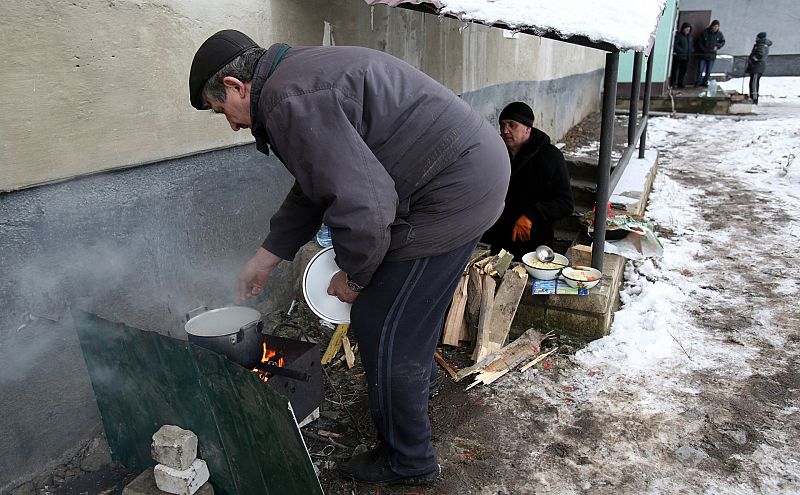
<point x="474" y="288"/>
<point x="336" y="343"/>
<point x="453" y="326"/>
<point x="478" y="255"/>
<point x="499" y="264"/>
<point x="348" y="352"/>
<point x="498" y="364"/>
<point x="495" y="325"/>
<point x="487" y="302"/>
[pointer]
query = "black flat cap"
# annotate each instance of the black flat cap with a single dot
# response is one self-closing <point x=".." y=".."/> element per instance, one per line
<point x="214" y="54"/>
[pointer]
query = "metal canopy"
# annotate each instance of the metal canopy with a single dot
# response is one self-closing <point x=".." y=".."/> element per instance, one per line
<point x="606" y="179"/>
<point x="529" y="18"/>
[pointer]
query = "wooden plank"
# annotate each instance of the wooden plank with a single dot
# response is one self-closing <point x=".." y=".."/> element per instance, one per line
<point x="504" y="308"/>
<point x="336" y="343"/>
<point x="474" y="288"/>
<point x="348" y="352"/>
<point x="449" y="369"/>
<point x="455" y="317"/>
<point x="487" y="302"/>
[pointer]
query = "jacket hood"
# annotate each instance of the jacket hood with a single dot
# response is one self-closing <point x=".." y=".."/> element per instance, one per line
<point x="686" y="25"/>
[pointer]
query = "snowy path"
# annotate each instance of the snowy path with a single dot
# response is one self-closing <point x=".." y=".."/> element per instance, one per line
<point x="696" y="389"/>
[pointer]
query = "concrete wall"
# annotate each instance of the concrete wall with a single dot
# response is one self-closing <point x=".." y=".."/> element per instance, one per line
<point x="741" y="20"/>
<point x="141" y="246"/>
<point x="99" y="86"/>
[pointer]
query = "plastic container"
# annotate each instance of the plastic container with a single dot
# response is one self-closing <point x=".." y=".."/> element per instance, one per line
<point x="712" y="88"/>
<point x="324" y="236"/>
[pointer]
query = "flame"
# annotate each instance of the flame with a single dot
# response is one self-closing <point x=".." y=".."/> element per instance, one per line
<point x="268" y="356"/>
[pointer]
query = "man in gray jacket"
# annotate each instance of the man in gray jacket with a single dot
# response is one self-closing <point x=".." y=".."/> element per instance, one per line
<point x="406" y="175"/>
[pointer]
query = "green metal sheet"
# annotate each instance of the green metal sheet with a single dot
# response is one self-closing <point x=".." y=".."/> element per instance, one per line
<point x="142" y="380"/>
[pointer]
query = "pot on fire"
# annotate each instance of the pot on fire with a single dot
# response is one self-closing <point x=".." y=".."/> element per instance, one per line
<point x="233" y="331"/>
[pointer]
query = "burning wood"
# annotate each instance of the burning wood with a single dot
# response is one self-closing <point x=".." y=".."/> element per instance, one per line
<point x="270" y="361"/>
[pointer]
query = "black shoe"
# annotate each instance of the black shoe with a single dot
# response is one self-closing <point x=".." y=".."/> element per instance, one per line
<point x="373" y="467"/>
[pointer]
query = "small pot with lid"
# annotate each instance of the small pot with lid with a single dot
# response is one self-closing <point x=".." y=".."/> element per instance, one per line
<point x="233" y="331"/>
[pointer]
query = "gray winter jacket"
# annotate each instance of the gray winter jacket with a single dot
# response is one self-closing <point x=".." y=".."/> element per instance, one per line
<point x="757" y="61"/>
<point x="369" y="140"/>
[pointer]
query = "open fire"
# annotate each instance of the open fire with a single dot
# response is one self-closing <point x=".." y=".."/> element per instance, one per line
<point x="269" y="360"/>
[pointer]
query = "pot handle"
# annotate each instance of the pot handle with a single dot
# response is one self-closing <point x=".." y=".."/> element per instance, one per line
<point x="239" y="336"/>
<point x="194" y="312"/>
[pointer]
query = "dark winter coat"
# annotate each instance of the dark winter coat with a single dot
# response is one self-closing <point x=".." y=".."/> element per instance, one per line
<point x="376" y="148"/>
<point x="706" y="43"/>
<point x="757" y="61"/>
<point x="682" y="46"/>
<point x="539" y="189"/>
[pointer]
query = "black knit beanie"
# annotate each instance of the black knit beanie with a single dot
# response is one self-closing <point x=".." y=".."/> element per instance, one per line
<point x="518" y="111"/>
<point x="762" y="34"/>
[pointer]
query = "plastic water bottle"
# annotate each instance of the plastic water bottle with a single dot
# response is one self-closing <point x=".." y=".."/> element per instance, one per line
<point x="712" y="88"/>
<point x="324" y="236"/>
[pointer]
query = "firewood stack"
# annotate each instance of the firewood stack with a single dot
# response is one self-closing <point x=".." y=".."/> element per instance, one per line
<point x="485" y="302"/>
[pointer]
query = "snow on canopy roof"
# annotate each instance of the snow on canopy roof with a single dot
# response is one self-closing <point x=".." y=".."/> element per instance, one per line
<point x="606" y="24"/>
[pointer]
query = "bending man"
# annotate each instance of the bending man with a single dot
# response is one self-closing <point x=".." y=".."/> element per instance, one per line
<point x="395" y="164"/>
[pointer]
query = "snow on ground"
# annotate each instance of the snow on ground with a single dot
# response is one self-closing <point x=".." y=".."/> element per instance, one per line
<point x="627" y="24"/>
<point x="696" y="388"/>
<point x="769" y="87"/>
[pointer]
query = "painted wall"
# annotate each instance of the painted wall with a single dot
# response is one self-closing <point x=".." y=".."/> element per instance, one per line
<point x="96" y="85"/>
<point x="741" y="20"/>
<point x="663" y="51"/>
<point x="95" y="90"/>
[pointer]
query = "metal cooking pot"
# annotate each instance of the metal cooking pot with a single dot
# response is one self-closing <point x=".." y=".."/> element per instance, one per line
<point x="234" y="332"/>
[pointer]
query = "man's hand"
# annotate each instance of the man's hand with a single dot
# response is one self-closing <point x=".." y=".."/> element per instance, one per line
<point x="339" y="288"/>
<point x="254" y="274"/>
<point x="522" y="229"/>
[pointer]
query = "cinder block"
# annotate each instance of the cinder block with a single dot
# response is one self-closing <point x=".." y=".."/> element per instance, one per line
<point x="181" y="482"/>
<point x="174" y="447"/>
<point x="145" y="484"/>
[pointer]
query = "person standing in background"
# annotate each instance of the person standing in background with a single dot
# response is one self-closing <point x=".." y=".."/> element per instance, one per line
<point x="757" y="63"/>
<point x="708" y="44"/>
<point x="681" y="50"/>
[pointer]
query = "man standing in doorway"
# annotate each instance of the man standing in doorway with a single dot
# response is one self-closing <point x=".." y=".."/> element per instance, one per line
<point x="757" y="63"/>
<point x="539" y="192"/>
<point x="406" y="175"/>
<point x="708" y="44"/>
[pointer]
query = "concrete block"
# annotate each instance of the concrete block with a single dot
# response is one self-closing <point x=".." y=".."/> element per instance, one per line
<point x="174" y="447"/>
<point x="181" y="482"/>
<point x="145" y="484"/>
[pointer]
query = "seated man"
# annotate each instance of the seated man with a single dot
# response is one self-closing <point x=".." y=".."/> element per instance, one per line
<point x="539" y="192"/>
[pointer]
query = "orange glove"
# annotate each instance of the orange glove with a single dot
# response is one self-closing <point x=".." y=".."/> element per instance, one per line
<point x="522" y="229"/>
